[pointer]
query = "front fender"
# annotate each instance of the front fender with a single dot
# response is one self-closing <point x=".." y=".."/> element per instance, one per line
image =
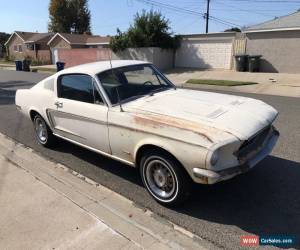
<point x="190" y="156"/>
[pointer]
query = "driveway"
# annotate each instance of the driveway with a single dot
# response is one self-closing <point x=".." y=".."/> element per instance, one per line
<point x="263" y="201"/>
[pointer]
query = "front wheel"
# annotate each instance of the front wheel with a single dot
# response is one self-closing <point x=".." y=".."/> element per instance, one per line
<point x="164" y="178"/>
<point x="42" y="131"/>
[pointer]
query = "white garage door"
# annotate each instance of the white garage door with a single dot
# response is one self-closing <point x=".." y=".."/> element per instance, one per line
<point x="215" y="54"/>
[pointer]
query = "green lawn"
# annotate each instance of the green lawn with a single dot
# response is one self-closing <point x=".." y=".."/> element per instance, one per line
<point x="219" y="82"/>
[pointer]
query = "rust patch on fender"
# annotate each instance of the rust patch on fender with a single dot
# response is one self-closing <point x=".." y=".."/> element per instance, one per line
<point x="155" y="121"/>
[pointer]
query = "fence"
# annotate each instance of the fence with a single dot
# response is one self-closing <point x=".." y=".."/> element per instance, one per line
<point x="43" y="56"/>
<point x="72" y="57"/>
<point x="162" y="59"/>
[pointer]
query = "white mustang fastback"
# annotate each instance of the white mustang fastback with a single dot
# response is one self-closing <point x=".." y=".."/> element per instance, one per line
<point x="129" y="111"/>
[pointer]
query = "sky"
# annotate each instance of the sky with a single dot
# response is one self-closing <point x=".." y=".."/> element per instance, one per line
<point x="108" y="15"/>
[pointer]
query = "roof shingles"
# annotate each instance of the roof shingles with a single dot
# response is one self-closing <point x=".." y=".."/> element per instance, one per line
<point x="32" y="36"/>
<point x="291" y="21"/>
<point x="84" y="39"/>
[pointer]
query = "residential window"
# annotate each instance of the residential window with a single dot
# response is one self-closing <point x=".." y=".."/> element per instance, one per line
<point x="78" y="88"/>
<point x="15" y="48"/>
<point x="30" y="46"/>
<point x="20" y="48"/>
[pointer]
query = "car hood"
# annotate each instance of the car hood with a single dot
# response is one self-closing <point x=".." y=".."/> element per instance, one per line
<point x="243" y="117"/>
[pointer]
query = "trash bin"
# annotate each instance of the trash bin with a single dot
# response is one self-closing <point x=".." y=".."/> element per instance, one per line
<point x="19" y="65"/>
<point x="60" y="66"/>
<point x="241" y="62"/>
<point x="254" y="63"/>
<point x="26" y="65"/>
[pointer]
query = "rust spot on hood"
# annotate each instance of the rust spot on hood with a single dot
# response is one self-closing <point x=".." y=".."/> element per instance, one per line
<point x="159" y="121"/>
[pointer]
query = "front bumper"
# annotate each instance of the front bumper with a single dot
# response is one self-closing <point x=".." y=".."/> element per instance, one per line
<point x="246" y="163"/>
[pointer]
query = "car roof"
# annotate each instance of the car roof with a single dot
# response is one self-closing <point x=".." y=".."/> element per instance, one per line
<point x="97" y="67"/>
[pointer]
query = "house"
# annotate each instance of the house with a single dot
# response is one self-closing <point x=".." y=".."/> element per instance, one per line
<point x="21" y="45"/>
<point x="43" y="46"/>
<point x="206" y="51"/>
<point x="75" y="41"/>
<point x="278" y="41"/>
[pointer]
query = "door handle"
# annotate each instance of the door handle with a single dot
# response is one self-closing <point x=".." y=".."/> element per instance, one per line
<point x="58" y="104"/>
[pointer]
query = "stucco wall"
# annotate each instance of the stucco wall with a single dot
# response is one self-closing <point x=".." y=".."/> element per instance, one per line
<point x="280" y="50"/>
<point x="206" y="51"/>
<point x="162" y="59"/>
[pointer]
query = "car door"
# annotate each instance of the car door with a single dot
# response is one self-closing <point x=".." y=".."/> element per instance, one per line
<point x="79" y="112"/>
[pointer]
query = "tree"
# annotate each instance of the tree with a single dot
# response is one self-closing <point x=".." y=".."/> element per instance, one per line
<point x="120" y="41"/>
<point x="149" y="29"/>
<point x="81" y="16"/>
<point x="3" y="39"/>
<point x="60" y="18"/>
<point x="69" y="16"/>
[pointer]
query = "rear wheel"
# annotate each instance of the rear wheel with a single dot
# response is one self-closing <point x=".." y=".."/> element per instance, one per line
<point x="43" y="133"/>
<point x="164" y="178"/>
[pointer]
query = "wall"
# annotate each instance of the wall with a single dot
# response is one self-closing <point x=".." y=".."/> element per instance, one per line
<point x="205" y="51"/>
<point x="42" y="55"/>
<point x="162" y="59"/>
<point x="16" y="41"/>
<point x="74" y="57"/>
<point x="280" y="50"/>
<point x="58" y="42"/>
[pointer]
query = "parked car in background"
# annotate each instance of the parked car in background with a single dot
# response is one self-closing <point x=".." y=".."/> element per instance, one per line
<point x="129" y="111"/>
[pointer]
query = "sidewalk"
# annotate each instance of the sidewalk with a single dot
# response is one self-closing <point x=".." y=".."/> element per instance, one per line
<point x="44" y="205"/>
<point x="268" y="83"/>
<point x="42" y="68"/>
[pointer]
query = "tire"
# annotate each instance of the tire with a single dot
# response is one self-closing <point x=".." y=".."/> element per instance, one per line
<point x="43" y="133"/>
<point x="158" y="171"/>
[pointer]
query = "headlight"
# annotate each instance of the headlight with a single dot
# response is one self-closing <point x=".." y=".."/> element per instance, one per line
<point x="214" y="158"/>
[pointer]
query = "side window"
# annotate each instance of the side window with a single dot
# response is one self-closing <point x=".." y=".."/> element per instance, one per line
<point x="97" y="96"/>
<point x="78" y="88"/>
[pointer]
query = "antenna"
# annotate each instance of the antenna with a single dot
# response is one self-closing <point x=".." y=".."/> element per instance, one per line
<point x="109" y="57"/>
<point x="112" y="71"/>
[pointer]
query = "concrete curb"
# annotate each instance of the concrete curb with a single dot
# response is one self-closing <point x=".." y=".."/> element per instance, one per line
<point x="141" y="226"/>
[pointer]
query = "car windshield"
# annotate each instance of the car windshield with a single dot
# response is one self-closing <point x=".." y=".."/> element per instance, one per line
<point x="131" y="82"/>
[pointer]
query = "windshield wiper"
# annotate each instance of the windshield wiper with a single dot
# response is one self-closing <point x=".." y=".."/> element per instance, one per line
<point x="157" y="90"/>
<point x="131" y="98"/>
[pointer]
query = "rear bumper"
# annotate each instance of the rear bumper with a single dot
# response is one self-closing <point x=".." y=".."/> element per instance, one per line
<point x="211" y="177"/>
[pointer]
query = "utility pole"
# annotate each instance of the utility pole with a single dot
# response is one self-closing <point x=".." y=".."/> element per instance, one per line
<point x="207" y="15"/>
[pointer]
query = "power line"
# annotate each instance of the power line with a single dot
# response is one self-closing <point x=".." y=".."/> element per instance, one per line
<point x="243" y="10"/>
<point x="267" y="1"/>
<point x="183" y="10"/>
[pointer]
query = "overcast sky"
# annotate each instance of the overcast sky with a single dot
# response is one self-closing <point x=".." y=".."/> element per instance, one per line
<point x="107" y="15"/>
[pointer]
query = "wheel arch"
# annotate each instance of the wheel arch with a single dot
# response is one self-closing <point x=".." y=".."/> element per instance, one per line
<point x="142" y="148"/>
<point x="34" y="111"/>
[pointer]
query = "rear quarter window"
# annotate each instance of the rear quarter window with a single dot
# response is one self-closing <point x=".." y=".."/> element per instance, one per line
<point x="49" y="84"/>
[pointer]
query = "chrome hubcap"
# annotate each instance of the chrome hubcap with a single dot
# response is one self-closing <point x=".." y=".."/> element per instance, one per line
<point x="40" y="129"/>
<point x="160" y="178"/>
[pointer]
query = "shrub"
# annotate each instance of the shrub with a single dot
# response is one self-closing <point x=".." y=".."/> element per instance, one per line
<point x="150" y="29"/>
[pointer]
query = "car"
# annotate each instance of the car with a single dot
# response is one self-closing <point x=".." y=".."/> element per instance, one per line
<point x="129" y="111"/>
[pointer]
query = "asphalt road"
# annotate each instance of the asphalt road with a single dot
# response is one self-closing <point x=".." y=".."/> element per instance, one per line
<point x="264" y="201"/>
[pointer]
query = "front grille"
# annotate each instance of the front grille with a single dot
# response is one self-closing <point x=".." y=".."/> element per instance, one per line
<point x="253" y="145"/>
